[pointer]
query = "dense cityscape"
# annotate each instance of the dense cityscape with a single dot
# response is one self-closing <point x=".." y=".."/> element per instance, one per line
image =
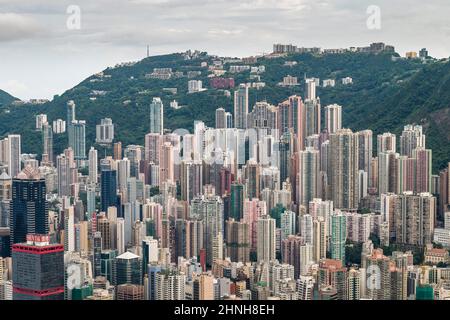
<point x="275" y="202"/>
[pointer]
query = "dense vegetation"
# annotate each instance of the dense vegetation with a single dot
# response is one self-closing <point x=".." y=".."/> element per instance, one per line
<point x="386" y="94"/>
<point x="6" y="98"/>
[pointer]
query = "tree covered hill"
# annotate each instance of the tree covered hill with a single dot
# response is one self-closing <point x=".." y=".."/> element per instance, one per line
<point x="387" y="93"/>
<point x="6" y="98"/>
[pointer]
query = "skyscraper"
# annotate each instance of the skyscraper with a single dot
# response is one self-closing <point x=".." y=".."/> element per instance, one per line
<point x="29" y="210"/>
<point x="64" y="163"/>
<point x="423" y="162"/>
<point x="308" y="184"/>
<point x="153" y="142"/>
<point x="241" y="107"/>
<point x="105" y="131"/>
<point x="47" y="141"/>
<point x="343" y="164"/>
<point x="310" y="89"/>
<point x="312" y="117"/>
<point x="166" y="165"/>
<point x="108" y="189"/>
<point x="237" y="240"/>
<point x="14" y="152"/>
<point x="70" y="112"/>
<point x="157" y="116"/>
<point x="221" y="118"/>
<point x="127" y="269"/>
<point x="38" y="269"/>
<point x="333" y="117"/>
<point x="118" y="151"/>
<point x="338" y="236"/>
<point x="266" y="239"/>
<point x="411" y="138"/>
<point x="414" y="218"/>
<point x="284" y="117"/>
<point x="365" y="151"/>
<point x="191" y="179"/>
<point x="290" y="252"/>
<point x="237" y="201"/>
<point x="93" y="165"/>
<point x="77" y="139"/>
<point x="386" y="142"/>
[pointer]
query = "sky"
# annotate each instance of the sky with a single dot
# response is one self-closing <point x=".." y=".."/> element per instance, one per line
<point x="44" y="51"/>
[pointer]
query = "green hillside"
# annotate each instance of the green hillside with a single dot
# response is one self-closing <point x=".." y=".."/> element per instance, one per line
<point x="385" y="95"/>
<point x="6" y="98"/>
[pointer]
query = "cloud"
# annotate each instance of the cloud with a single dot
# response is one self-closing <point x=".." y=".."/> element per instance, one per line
<point x="221" y="32"/>
<point x="17" y="27"/>
<point x="14" y="87"/>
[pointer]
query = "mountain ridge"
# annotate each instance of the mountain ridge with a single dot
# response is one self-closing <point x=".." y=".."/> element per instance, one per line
<point x="6" y="98"/>
<point x="387" y="93"/>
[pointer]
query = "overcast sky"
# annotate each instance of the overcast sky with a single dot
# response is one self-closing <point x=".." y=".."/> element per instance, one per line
<point x="40" y="56"/>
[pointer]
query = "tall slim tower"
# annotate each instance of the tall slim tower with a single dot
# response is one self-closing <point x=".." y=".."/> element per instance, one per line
<point x="338" y="236"/>
<point x="93" y="165"/>
<point x="77" y="139"/>
<point x="14" y="152"/>
<point x="221" y="118"/>
<point x="108" y="189"/>
<point x="308" y="175"/>
<point x="157" y="116"/>
<point x="241" y="107"/>
<point x="266" y="239"/>
<point x="343" y="164"/>
<point x="47" y="139"/>
<point x="333" y="117"/>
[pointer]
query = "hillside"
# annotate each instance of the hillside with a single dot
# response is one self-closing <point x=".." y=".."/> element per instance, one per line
<point x="6" y="98"/>
<point x="385" y="95"/>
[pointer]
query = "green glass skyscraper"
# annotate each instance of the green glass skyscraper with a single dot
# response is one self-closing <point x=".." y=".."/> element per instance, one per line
<point x="338" y="236"/>
<point x="237" y="201"/>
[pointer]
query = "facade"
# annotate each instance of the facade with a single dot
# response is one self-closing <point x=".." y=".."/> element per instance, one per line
<point x="241" y="107"/>
<point x="29" y="208"/>
<point x="38" y="269"/>
<point x="105" y="131"/>
<point x="156" y="116"/>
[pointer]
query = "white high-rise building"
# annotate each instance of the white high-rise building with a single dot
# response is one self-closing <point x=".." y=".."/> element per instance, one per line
<point x="305" y="287"/>
<point x="333" y="117"/>
<point x="93" y="165"/>
<point x="40" y="120"/>
<point x="105" y="131"/>
<point x="14" y="152"/>
<point x="151" y="247"/>
<point x="288" y="221"/>
<point x="195" y="86"/>
<point x="310" y="89"/>
<point x="266" y="239"/>
<point x="123" y="173"/>
<point x="170" y="286"/>
<point x="306" y="228"/>
<point x="157" y="116"/>
<point x="69" y="229"/>
<point x="120" y="235"/>
<point x="59" y="126"/>
<point x="308" y="175"/>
